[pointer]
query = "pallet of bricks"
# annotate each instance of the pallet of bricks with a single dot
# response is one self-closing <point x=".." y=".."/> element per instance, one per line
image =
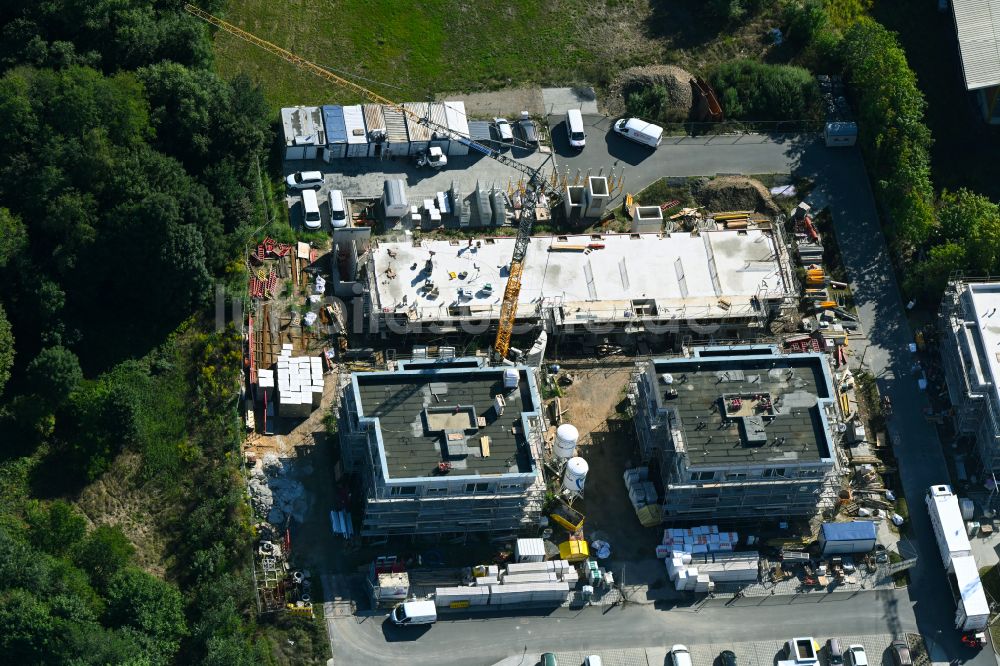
<point x="300" y="383"/>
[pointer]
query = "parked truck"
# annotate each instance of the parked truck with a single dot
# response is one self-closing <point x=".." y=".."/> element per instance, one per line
<point x="973" y="611"/>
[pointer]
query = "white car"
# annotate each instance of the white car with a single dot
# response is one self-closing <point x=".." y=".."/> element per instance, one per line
<point x="593" y="660"/>
<point x="305" y="180"/>
<point x="680" y="656"/>
<point x="504" y="129"/>
<point x="856" y="655"/>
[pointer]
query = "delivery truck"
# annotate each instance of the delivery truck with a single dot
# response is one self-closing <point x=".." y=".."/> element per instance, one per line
<point x="972" y="609"/>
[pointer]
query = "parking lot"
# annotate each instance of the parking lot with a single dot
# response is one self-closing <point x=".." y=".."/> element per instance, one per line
<point x="755" y="653"/>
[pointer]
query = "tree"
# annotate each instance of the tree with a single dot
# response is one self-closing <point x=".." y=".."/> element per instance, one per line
<point x="6" y="349"/>
<point x="972" y="220"/>
<point x="929" y="277"/>
<point x="29" y="631"/>
<point x="53" y="374"/>
<point x="892" y="133"/>
<point x="56" y="527"/>
<point x="103" y="553"/>
<point x="154" y="607"/>
<point x="13" y="237"/>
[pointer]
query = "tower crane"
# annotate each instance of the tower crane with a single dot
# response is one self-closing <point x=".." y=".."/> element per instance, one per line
<point x="537" y="183"/>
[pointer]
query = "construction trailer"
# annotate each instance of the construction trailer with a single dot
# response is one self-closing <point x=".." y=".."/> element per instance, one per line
<point x="304" y="132"/>
<point x="436" y="455"/>
<point x="738" y="433"/>
<point x="972" y="612"/>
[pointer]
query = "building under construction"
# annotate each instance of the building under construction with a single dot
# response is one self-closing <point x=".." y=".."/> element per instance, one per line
<point x="738" y="433"/>
<point x="969" y="343"/>
<point x="724" y="283"/>
<point x="444" y="447"/>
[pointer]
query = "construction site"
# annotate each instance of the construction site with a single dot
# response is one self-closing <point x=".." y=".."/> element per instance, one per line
<point x="494" y="351"/>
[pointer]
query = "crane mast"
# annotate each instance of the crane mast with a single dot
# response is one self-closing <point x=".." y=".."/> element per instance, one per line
<point x="536" y="182"/>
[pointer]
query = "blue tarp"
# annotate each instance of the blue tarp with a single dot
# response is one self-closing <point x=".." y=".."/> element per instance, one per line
<point x="336" y="129"/>
<point x="858" y="530"/>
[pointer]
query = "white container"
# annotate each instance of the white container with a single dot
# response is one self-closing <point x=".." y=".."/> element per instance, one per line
<point x="510" y="379"/>
<point x="566" y="438"/>
<point x="968" y="508"/>
<point x="529" y="550"/>
<point x="575" y="475"/>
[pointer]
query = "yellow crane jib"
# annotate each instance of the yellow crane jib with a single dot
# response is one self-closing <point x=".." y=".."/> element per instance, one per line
<point x="536" y="181"/>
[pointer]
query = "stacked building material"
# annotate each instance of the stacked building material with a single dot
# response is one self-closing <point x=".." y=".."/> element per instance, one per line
<point x="642" y="493"/>
<point x="701" y="539"/>
<point x="300" y="383"/>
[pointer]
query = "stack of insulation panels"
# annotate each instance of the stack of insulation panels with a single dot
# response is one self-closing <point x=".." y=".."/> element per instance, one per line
<point x="701" y="539"/>
<point x="300" y="383"/>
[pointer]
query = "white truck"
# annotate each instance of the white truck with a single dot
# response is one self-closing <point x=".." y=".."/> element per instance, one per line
<point x="973" y="610"/>
<point x="639" y="131"/>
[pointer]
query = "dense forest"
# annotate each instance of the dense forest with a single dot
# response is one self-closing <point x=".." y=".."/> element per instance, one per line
<point x="129" y="177"/>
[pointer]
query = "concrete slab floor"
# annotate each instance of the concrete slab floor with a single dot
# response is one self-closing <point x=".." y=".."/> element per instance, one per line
<point x="560" y="100"/>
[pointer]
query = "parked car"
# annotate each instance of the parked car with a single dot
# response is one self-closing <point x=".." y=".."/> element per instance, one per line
<point x="593" y="660"/>
<point x="338" y="209"/>
<point x="305" y="180"/>
<point x="528" y="129"/>
<point x="549" y="659"/>
<point x="310" y="210"/>
<point x="901" y="654"/>
<point x="574" y="129"/>
<point x="835" y="652"/>
<point x="504" y="129"/>
<point x="727" y="658"/>
<point x="680" y="656"/>
<point x="856" y="655"/>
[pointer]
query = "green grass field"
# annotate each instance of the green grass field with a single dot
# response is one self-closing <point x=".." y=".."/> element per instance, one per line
<point x="434" y="46"/>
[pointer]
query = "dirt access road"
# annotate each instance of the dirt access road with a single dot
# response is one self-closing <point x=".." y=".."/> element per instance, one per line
<point x="607" y="443"/>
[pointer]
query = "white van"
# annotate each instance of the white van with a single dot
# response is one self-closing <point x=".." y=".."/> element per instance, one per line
<point x="310" y="210"/>
<point x="640" y="131"/>
<point x="414" y="612"/>
<point x="338" y="209"/>
<point x="574" y="129"/>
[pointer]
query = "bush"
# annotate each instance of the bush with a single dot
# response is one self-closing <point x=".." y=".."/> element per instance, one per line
<point x="649" y="103"/>
<point x="750" y="90"/>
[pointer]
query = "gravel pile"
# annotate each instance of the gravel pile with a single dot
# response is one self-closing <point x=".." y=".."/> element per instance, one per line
<point x="275" y="495"/>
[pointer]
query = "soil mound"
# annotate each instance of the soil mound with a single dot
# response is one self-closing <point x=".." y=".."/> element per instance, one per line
<point x="727" y="193"/>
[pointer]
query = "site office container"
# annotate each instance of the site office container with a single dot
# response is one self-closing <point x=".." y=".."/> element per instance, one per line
<point x="397" y="139"/>
<point x="336" y="132"/>
<point x="439" y="118"/>
<point x="375" y="124"/>
<point x="420" y="134"/>
<point x="458" y="123"/>
<point x="357" y="133"/>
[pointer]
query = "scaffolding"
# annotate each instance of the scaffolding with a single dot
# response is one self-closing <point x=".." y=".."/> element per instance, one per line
<point x="747" y="490"/>
<point x="971" y="390"/>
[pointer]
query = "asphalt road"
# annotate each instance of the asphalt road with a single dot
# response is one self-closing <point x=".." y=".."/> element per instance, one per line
<point x="841" y="183"/>
<point x="485" y="639"/>
<point x="676" y="156"/>
<point x="925" y="606"/>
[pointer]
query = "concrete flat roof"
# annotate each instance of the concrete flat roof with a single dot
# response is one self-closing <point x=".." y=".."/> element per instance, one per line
<point x="793" y="430"/>
<point x="985" y="298"/>
<point x="716" y="274"/>
<point x="413" y="444"/>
